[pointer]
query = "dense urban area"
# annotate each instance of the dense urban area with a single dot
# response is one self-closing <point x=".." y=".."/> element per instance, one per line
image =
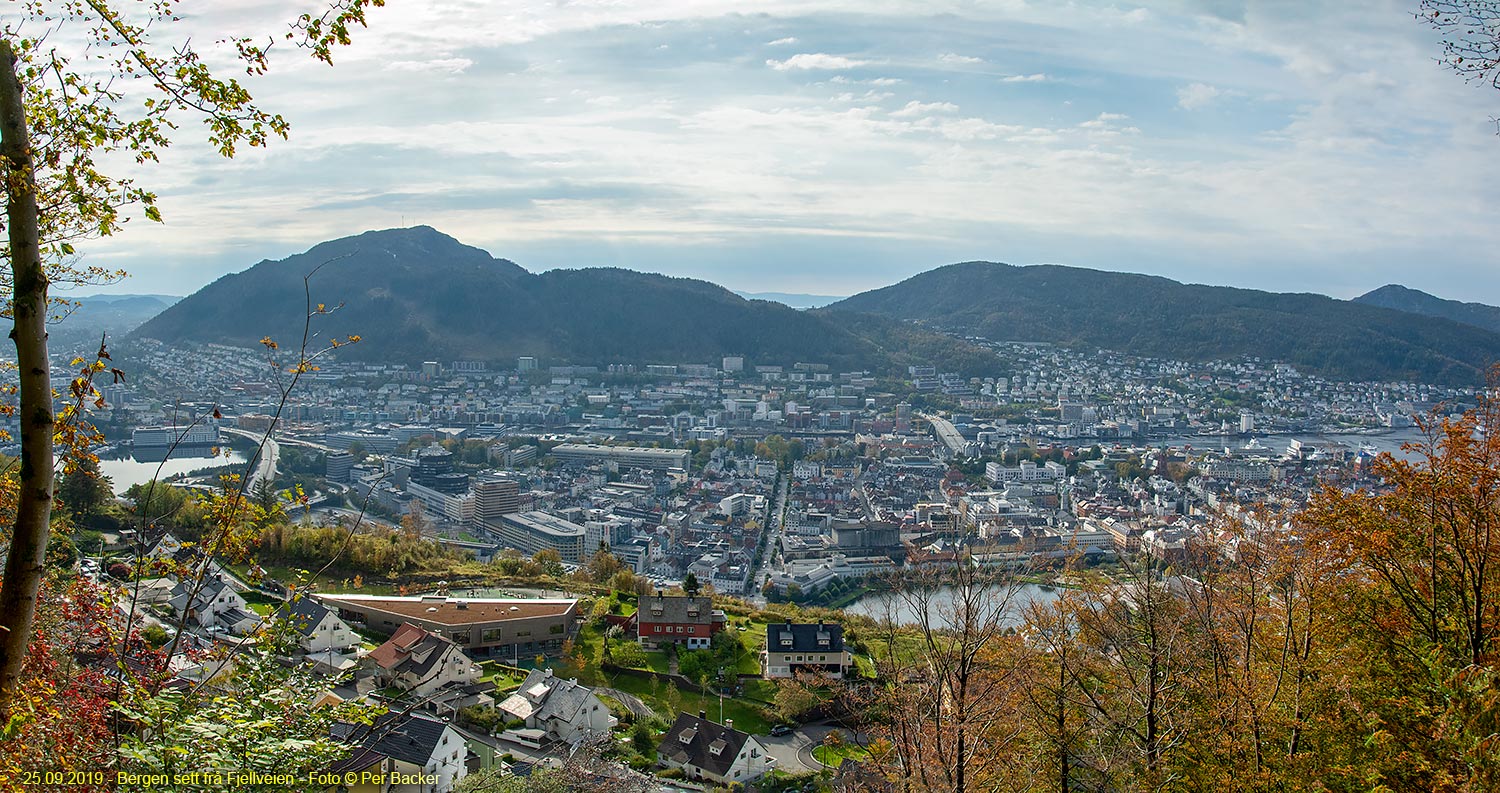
<point x="514" y="564"/>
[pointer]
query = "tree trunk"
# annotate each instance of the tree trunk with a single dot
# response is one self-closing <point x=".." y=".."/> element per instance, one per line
<point x="28" y="544"/>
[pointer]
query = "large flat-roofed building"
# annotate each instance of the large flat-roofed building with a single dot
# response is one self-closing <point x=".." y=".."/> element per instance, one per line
<point x="495" y="498"/>
<point x="498" y="627"/>
<point x="636" y="456"/>
<point x="529" y="532"/>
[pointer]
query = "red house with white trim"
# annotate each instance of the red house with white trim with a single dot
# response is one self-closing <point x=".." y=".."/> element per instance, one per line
<point x="677" y="620"/>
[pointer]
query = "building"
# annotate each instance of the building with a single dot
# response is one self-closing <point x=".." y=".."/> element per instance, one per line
<point x="804" y="647"/>
<point x="319" y="629"/>
<point x="338" y="466"/>
<point x="529" y="532"/>
<point x="734" y="363"/>
<point x="1027" y="471"/>
<point x="495" y="627"/>
<point x="562" y="709"/>
<point x="525" y="363"/>
<point x="430" y="668"/>
<point x="191" y="435"/>
<point x="713" y="752"/>
<point x="404" y="744"/>
<point x="691" y="621"/>
<point x="434" y="469"/>
<point x="216" y="606"/>
<point x="632" y="456"/>
<point x="495" y="498"/>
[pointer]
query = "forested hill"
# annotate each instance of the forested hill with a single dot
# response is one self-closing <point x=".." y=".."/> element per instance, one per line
<point x="1418" y="302"/>
<point x="1159" y="317"/>
<point x="416" y="294"/>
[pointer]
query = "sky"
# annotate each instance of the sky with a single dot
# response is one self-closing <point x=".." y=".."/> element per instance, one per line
<point x="834" y="146"/>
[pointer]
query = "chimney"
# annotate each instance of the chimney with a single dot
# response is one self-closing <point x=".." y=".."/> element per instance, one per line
<point x="703" y="715"/>
<point x="729" y="723"/>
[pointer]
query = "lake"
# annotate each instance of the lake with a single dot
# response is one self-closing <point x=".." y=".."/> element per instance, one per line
<point x="142" y="467"/>
<point x="877" y="605"/>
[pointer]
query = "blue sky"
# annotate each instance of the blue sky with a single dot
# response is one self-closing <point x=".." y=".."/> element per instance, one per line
<point x="832" y="147"/>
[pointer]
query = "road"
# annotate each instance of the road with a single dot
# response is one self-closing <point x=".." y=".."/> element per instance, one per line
<point x="775" y="526"/>
<point x="265" y="467"/>
<point x="946" y="433"/>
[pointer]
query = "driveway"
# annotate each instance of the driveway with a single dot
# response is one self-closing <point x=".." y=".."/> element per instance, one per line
<point x="793" y="752"/>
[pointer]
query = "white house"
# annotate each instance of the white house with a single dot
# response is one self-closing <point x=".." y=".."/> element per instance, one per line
<point x="563" y="709"/>
<point x="405" y="745"/>
<point x="420" y="662"/>
<point x="714" y="752"/>
<point x="216" y="605"/>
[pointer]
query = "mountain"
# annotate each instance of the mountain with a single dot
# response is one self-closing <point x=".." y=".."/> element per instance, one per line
<point x="793" y="299"/>
<point x="1158" y="317"/>
<point x="1414" y="301"/>
<point x="416" y="294"/>
<point x="85" y="317"/>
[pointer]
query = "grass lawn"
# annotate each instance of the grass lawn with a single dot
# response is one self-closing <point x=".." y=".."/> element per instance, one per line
<point x="763" y="690"/>
<point x="260" y="608"/>
<point x="835" y="756"/>
<point x="657" y="661"/>
<point x="504" y="679"/>
<point x="748" y="716"/>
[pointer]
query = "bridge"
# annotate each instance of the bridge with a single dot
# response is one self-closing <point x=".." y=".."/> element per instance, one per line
<point x="265" y="465"/>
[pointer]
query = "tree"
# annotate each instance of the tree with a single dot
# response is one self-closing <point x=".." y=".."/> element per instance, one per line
<point x="84" y="491"/>
<point x="690" y="585"/>
<point x="1471" y="36"/>
<point x="630" y="655"/>
<point x="550" y="562"/>
<point x="61" y="114"/>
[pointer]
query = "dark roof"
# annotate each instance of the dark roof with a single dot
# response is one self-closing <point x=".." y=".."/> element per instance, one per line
<point x="680" y="610"/>
<point x="691" y="741"/>
<point x="408" y="737"/>
<point x="806" y="637"/>
<point x="305" y="614"/>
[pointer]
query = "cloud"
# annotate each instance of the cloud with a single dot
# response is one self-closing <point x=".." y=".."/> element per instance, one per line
<point x="914" y="109"/>
<point x="782" y="41"/>
<point x="815" y="60"/>
<point x="1025" y="78"/>
<point x="1195" y="95"/>
<point x="434" y="66"/>
<point x="955" y="59"/>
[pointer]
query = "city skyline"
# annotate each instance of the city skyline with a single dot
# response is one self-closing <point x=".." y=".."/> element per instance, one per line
<point x="830" y="148"/>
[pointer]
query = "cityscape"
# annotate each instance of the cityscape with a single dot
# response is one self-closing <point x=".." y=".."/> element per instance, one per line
<point x="895" y="398"/>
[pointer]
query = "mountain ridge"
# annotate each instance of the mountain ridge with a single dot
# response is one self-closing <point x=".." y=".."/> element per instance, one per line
<point x="417" y="294"/>
<point x="1155" y="316"/>
<point x="1415" y="301"/>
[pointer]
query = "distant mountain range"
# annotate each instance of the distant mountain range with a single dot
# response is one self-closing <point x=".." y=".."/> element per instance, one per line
<point x="1158" y="317"/>
<point x="792" y="299"/>
<point x="1417" y="302"/>
<point x="117" y="315"/>
<point x="416" y="294"/>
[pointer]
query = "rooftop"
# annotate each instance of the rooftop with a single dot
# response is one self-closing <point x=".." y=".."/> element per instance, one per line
<point x="455" y="611"/>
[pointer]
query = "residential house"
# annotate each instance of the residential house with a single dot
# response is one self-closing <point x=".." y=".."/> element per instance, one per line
<point x="320" y="632"/>
<point x="805" y="647"/>
<point x="691" y="621"/>
<point x="713" y="752"/>
<point x="216" y="606"/>
<point x="403" y="745"/>
<point x="429" y="668"/>
<point x="563" y="709"/>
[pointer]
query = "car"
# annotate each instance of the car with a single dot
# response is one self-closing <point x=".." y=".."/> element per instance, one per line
<point x="781" y="729"/>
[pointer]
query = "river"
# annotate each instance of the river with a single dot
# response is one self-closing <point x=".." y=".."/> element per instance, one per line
<point x="879" y="605"/>
<point x="135" y="469"/>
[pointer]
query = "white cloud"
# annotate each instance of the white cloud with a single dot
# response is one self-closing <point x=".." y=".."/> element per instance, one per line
<point x="782" y="41"/>
<point x="814" y="60"/>
<point x="914" y="109"/>
<point x="1195" y="95"/>
<point x="955" y="59"/>
<point x="434" y="66"/>
<point x="1025" y="78"/>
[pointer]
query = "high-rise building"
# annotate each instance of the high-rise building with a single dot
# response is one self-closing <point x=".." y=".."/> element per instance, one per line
<point x="525" y="363"/>
<point x="339" y="466"/>
<point x="734" y="363"/>
<point x="495" y="497"/>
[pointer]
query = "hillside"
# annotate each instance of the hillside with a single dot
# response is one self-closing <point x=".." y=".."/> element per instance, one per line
<point x="1159" y="317"/>
<point x="416" y="294"/>
<point x="1414" y="301"/>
